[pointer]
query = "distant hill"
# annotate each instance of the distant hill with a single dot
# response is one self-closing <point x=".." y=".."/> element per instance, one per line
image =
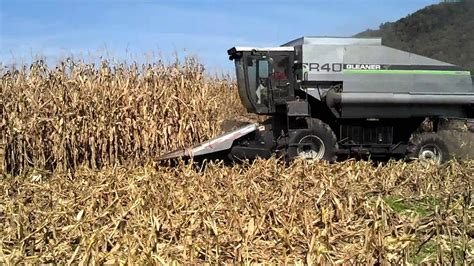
<point x="444" y="31"/>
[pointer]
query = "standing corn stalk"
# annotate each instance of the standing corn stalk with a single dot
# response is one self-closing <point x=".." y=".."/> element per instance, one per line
<point x="80" y="114"/>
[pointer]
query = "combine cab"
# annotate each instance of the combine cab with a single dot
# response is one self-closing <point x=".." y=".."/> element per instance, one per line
<point x="332" y="98"/>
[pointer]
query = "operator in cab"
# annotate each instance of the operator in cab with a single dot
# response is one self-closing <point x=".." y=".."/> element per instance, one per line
<point x="262" y="91"/>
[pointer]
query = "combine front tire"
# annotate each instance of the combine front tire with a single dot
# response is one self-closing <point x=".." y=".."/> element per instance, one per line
<point x="318" y="142"/>
<point x="428" y="147"/>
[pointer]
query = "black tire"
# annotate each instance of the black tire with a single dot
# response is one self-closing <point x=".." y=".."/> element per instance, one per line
<point x="318" y="131"/>
<point x="424" y="145"/>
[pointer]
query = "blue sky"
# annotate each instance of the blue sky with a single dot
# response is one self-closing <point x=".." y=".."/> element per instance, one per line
<point x="145" y="30"/>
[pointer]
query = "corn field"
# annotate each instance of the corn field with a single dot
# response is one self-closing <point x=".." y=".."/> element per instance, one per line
<point x="78" y="184"/>
<point x="80" y="114"/>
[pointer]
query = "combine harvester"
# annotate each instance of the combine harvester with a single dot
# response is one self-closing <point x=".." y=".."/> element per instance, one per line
<point x="332" y="98"/>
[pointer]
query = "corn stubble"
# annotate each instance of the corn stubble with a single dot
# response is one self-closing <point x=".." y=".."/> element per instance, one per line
<point x="78" y="184"/>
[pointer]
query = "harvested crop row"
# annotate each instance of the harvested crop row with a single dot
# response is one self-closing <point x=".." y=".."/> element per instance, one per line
<point x="264" y="212"/>
<point x="77" y="113"/>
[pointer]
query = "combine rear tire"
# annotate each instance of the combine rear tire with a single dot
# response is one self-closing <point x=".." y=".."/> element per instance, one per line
<point x="427" y="147"/>
<point x="318" y="142"/>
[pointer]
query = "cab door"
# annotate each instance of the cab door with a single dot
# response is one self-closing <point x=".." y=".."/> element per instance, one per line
<point x="282" y="76"/>
<point x="259" y="84"/>
<point x="269" y="80"/>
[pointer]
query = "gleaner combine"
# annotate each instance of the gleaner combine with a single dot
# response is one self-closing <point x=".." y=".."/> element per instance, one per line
<point x="340" y="97"/>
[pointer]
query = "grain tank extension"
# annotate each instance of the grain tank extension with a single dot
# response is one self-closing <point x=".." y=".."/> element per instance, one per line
<point x="331" y="98"/>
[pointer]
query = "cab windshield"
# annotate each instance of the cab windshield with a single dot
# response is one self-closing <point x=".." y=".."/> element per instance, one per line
<point x="264" y="81"/>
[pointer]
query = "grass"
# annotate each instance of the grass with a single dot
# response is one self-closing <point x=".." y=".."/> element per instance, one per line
<point x="428" y="249"/>
<point x="426" y="253"/>
<point x="423" y="207"/>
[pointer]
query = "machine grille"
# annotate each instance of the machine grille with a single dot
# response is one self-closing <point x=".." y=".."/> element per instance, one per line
<point x="367" y="134"/>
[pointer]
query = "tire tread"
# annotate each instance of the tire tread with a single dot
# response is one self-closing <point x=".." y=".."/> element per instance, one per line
<point x="417" y="140"/>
